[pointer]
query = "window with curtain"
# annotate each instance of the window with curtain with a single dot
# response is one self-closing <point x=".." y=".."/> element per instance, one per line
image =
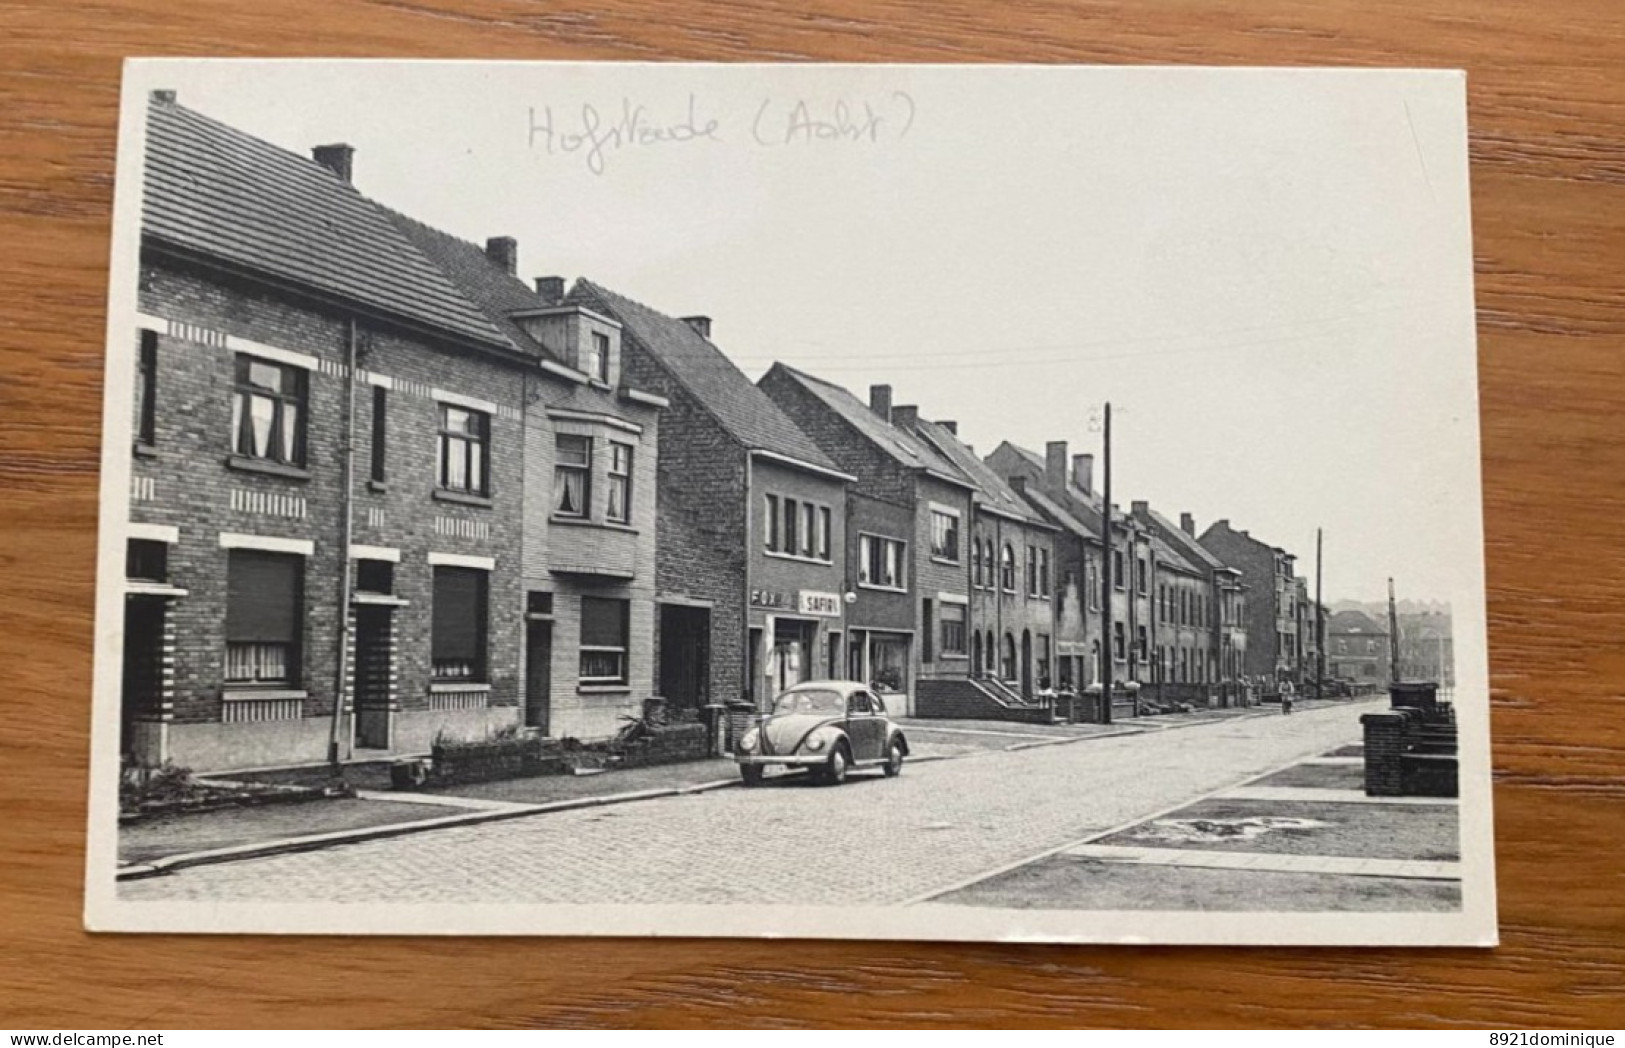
<point x="572" y="475"/>
<point x="945" y="536"/>
<point x="1009" y="569"/>
<point x="264" y="614"/>
<point x="880" y="562"/>
<point x="604" y="630"/>
<point x="458" y="644"/>
<point x="953" y="629"/>
<point x="268" y="411"/>
<point x="464" y="450"/>
<point x="619" y="503"/>
<point x="770" y="520"/>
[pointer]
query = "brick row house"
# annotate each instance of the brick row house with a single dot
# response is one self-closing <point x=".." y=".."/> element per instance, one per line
<point x="1209" y="640"/>
<point x="385" y="490"/>
<point x="1067" y="481"/>
<point x="1272" y="611"/>
<point x="275" y="580"/>
<point x="908" y="549"/>
<point x="1011" y="572"/>
<point x="751" y="562"/>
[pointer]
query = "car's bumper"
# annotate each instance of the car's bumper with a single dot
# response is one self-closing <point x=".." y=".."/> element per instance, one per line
<point x="795" y="760"/>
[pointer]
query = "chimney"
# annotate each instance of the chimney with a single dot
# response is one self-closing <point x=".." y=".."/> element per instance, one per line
<point x="1187" y="524"/>
<point x="1083" y="473"/>
<point x="164" y="97"/>
<point x="504" y="251"/>
<point x="338" y="158"/>
<point x="905" y="415"/>
<point x="1055" y="464"/>
<point x="551" y="289"/>
<point x="1141" y="511"/>
<point x="701" y="325"/>
<point x="950" y="425"/>
<point x="880" y="401"/>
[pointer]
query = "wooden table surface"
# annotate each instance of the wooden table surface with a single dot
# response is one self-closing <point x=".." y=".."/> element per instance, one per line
<point x="1547" y="109"/>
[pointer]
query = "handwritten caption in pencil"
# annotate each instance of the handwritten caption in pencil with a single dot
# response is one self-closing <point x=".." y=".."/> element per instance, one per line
<point x="594" y="135"/>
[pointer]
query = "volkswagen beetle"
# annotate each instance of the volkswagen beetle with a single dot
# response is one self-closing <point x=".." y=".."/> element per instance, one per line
<point x="827" y="727"/>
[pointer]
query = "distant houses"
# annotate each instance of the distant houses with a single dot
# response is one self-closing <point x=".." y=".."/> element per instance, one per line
<point x="384" y="490"/>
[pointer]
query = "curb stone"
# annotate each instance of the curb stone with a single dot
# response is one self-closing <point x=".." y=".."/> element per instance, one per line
<point x="316" y="842"/>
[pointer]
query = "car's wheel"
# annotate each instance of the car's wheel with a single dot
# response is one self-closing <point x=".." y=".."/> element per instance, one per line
<point x="834" y="772"/>
<point x="752" y="774"/>
<point x="894" y="759"/>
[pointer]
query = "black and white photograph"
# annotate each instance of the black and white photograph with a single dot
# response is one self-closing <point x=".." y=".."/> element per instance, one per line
<point x="995" y="503"/>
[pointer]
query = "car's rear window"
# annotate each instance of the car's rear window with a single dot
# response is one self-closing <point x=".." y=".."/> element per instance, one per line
<point x="811" y="701"/>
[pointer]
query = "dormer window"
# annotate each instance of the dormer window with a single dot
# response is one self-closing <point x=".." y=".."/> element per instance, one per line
<point x="595" y="356"/>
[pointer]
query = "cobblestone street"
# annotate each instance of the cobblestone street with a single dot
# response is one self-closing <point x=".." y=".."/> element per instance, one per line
<point x="873" y="841"/>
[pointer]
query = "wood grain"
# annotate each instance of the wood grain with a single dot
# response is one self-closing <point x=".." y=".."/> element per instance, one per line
<point x="1547" y="106"/>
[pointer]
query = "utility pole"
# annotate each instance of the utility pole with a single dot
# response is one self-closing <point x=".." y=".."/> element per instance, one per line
<point x="1320" y="624"/>
<point x="1108" y="650"/>
<point x="1393" y="635"/>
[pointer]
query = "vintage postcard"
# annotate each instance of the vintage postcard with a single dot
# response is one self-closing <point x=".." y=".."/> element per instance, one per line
<point x="984" y="503"/>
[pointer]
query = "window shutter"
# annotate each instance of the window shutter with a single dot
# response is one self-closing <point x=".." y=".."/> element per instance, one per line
<point x="603" y="622"/>
<point x="459" y="613"/>
<point x="263" y="597"/>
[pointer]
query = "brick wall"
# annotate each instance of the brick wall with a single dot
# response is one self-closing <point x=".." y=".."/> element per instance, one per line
<point x="186" y="482"/>
<point x="700" y="505"/>
<point x="1256" y="563"/>
<point x="874" y="608"/>
<point x="935" y="576"/>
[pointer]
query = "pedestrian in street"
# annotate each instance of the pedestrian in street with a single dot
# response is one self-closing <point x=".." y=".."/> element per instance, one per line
<point x="1286" y="698"/>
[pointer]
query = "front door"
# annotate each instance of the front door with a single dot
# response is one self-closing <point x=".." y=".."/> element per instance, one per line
<point x="685" y="635"/>
<point x="865" y="726"/>
<point x="143" y="667"/>
<point x="372" y="673"/>
<point x="538" y="674"/>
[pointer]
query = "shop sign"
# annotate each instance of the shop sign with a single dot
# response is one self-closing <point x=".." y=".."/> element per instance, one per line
<point x="768" y="599"/>
<point x="812" y="602"/>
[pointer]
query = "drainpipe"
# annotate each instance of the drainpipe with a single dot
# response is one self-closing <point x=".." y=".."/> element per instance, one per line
<point x="347" y="502"/>
<point x="751" y="538"/>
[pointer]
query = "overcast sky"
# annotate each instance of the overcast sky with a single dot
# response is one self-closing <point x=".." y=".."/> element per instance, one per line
<point x="1267" y="273"/>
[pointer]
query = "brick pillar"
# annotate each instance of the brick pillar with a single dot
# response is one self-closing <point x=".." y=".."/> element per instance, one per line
<point x="1384" y="749"/>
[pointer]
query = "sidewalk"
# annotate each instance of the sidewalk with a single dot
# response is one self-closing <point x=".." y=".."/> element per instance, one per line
<point x="378" y="812"/>
<point x="1302" y="838"/>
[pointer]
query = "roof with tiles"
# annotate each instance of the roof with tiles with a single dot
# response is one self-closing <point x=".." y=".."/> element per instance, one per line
<point x="696" y="364"/>
<point x="1166" y="554"/>
<point x="1090" y="500"/>
<point x="220" y="192"/>
<point x="1187" y="544"/>
<point x="996" y="494"/>
<point x="901" y="446"/>
<point x="1059" y="514"/>
<point x="498" y="292"/>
